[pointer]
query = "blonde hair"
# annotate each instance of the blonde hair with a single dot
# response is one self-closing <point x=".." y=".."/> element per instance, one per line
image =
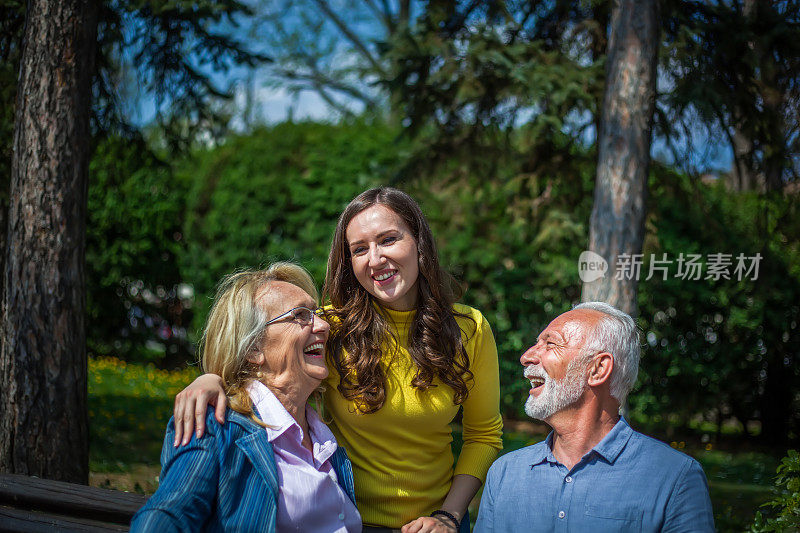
<point x="235" y="327"/>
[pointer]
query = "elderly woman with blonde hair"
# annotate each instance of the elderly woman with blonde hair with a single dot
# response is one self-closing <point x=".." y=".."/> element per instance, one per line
<point x="273" y="466"/>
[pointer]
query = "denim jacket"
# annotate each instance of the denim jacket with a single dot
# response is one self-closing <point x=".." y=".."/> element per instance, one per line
<point x="225" y="481"/>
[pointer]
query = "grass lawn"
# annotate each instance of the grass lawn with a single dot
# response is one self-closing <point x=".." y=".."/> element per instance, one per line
<point x="129" y="406"/>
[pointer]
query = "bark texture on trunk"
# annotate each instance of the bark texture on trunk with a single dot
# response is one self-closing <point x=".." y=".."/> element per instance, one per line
<point x="743" y="176"/>
<point x="43" y="419"/>
<point x="617" y="222"/>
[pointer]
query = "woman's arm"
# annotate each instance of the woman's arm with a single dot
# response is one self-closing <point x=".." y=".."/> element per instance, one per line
<point x="482" y="425"/>
<point x="462" y="490"/>
<point x="192" y="403"/>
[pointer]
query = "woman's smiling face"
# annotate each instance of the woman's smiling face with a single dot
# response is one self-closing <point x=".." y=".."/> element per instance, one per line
<point x="292" y="353"/>
<point x="384" y="257"/>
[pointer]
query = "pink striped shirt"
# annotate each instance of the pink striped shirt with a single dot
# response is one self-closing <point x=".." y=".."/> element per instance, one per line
<point x="310" y="498"/>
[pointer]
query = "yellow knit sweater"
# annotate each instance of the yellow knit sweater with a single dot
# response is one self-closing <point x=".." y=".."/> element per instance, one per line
<point x="402" y="462"/>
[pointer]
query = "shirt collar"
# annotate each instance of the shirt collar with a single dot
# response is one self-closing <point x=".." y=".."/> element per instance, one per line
<point x="321" y="436"/>
<point x="615" y="440"/>
<point x="544" y="453"/>
<point x="608" y="448"/>
<point x="271" y="410"/>
<point x="279" y="421"/>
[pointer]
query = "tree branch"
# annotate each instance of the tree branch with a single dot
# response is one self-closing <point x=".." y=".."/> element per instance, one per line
<point x="352" y="37"/>
<point x="330" y="101"/>
<point x="315" y="79"/>
<point x="405" y="12"/>
<point x="384" y="15"/>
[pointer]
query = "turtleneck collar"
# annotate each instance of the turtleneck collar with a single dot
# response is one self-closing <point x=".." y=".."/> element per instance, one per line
<point x="401" y="320"/>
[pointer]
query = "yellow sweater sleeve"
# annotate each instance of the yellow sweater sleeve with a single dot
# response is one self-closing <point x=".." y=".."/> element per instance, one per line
<point x="482" y="424"/>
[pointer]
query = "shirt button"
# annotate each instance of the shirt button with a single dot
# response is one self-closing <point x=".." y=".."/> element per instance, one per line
<point x="341" y="516"/>
<point x="562" y="514"/>
<point x="568" y="479"/>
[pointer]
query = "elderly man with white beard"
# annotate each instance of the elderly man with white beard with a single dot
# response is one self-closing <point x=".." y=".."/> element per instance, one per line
<point x="593" y="472"/>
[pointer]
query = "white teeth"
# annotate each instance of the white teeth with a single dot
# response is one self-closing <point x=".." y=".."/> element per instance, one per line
<point x="536" y="382"/>
<point x="533" y="375"/>
<point x="385" y="275"/>
<point x="312" y="347"/>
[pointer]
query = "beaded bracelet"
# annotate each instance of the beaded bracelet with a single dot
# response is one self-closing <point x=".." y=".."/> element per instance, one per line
<point x="448" y="515"/>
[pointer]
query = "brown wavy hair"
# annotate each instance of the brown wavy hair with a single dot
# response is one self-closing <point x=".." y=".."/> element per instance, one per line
<point x="359" y="329"/>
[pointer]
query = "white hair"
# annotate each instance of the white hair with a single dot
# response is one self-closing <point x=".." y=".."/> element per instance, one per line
<point x="617" y="334"/>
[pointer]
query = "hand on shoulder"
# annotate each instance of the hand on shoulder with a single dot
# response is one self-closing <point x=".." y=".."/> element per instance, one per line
<point x="192" y="403"/>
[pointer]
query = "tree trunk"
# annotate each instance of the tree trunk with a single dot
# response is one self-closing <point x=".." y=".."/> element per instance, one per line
<point x="601" y="13"/>
<point x="744" y="176"/>
<point x="12" y="27"/>
<point x="43" y="419"/>
<point x="750" y="171"/>
<point x="617" y="222"/>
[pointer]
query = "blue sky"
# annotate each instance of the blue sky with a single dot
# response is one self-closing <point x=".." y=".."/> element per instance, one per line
<point x="276" y="104"/>
<point x="273" y="104"/>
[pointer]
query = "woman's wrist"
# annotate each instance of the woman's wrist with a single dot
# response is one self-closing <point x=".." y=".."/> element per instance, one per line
<point x="448" y="517"/>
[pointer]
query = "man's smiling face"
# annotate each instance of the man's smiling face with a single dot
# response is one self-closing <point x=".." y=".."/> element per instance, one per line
<point x="555" y="364"/>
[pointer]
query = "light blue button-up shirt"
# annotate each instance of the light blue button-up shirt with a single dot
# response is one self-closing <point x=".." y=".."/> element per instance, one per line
<point x="627" y="482"/>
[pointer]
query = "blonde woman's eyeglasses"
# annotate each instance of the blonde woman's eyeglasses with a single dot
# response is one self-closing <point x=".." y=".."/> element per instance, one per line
<point x="302" y="315"/>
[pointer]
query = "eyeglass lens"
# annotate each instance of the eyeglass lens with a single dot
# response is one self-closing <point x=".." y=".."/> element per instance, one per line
<point x="303" y="315"/>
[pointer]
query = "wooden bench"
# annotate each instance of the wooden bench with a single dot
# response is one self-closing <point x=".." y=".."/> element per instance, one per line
<point x="29" y="504"/>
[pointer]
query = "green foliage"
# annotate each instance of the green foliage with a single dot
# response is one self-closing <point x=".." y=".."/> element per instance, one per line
<point x="135" y="213"/>
<point x="739" y="83"/>
<point x="716" y="350"/>
<point x="786" y="504"/>
<point x="496" y="83"/>
<point x="275" y="194"/>
<point x="738" y="483"/>
<point x="728" y="347"/>
<point x="514" y="244"/>
<point x="166" y="53"/>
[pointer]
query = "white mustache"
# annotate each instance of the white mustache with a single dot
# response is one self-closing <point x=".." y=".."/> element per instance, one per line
<point x="533" y="372"/>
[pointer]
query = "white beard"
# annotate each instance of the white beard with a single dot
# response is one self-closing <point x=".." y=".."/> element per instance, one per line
<point x="558" y="394"/>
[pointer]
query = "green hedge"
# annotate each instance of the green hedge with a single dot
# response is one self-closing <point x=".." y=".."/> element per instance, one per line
<point x="716" y="350"/>
<point x="275" y="194"/>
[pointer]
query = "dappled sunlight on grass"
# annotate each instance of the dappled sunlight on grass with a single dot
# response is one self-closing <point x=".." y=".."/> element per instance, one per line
<point x="108" y="375"/>
<point x="129" y="407"/>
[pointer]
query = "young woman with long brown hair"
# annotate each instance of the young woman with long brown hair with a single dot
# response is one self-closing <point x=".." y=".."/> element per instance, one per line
<point x="404" y="358"/>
